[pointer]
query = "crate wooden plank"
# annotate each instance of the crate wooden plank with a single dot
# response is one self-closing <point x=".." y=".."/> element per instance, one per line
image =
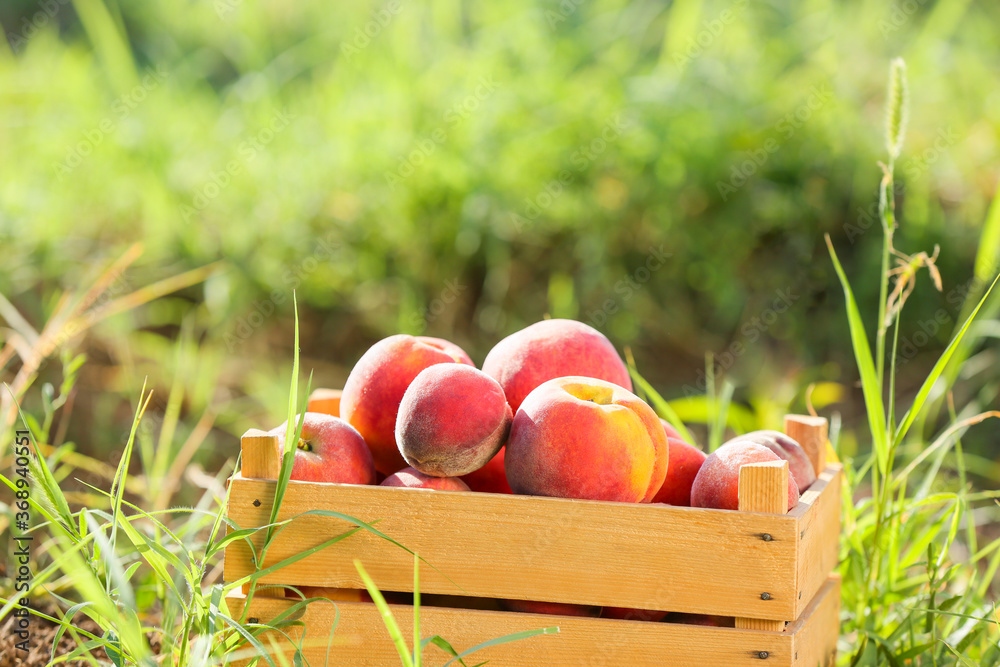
<point x="360" y="638"/>
<point x="523" y="547"/>
<point x="818" y="514"/>
<point x="326" y="401"/>
<point x="763" y="487"/>
<point x="814" y="636"/>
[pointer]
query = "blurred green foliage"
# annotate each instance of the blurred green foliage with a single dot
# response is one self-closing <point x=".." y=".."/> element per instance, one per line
<point x="462" y="169"/>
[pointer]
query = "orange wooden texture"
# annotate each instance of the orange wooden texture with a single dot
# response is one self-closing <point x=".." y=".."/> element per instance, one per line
<point x="360" y="638"/>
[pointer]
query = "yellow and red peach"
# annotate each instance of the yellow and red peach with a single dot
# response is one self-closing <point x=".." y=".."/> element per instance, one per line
<point x="329" y="450"/>
<point x="491" y="478"/>
<point x="452" y="420"/>
<point x="376" y="385"/>
<point x="411" y="478"/>
<point x="551" y="349"/>
<point x="554" y="608"/>
<point x="579" y="437"/>
<point x="717" y="483"/>
<point x="799" y="465"/>
<point x="685" y="462"/>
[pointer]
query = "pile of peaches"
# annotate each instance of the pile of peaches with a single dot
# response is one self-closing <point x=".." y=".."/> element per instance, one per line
<point x="551" y="413"/>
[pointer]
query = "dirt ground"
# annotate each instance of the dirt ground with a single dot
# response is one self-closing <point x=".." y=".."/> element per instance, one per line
<point x="41" y="635"/>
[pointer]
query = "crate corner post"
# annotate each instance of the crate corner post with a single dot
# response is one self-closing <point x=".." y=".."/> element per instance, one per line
<point x="763" y="487"/>
<point x="811" y="433"/>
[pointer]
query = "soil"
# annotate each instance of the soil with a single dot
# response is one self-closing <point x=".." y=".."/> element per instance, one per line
<point x="41" y="635"/>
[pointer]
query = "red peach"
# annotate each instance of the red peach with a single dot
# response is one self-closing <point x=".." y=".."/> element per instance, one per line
<point x="491" y="478"/>
<point x="329" y="450"/>
<point x="454" y="350"/>
<point x="670" y="430"/>
<point x="452" y="420"/>
<point x="685" y="462"/>
<point x="717" y="483"/>
<point x="702" y="619"/>
<point x="799" y="465"/>
<point x="627" y="614"/>
<point x="555" y="608"/>
<point x="579" y="437"/>
<point x="336" y="594"/>
<point x="376" y="385"/>
<point x="552" y="349"/>
<point x="414" y="479"/>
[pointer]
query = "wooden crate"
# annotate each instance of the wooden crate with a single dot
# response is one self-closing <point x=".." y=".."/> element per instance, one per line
<point x="770" y="570"/>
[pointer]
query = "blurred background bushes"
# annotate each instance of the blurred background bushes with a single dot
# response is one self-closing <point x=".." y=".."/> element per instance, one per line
<point x="663" y="171"/>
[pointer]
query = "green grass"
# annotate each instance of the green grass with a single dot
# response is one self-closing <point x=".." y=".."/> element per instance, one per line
<point x="113" y="288"/>
<point x="140" y="574"/>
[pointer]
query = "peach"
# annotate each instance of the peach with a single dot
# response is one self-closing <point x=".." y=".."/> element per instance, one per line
<point x="454" y="350"/>
<point x="329" y="450"/>
<point x="702" y="619"/>
<point x="555" y="608"/>
<point x="335" y="594"/>
<point x="685" y="462"/>
<point x="579" y="437"/>
<point x="452" y="420"/>
<point x="551" y="349"/>
<point x="414" y="479"/>
<point x="491" y="478"/>
<point x="669" y="428"/>
<point x="717" y="483"/>
<point x="627" y="614"/>
<point x="799" y="465"/>
<point x="376" y="385"/>
<point x="326" y="401"/>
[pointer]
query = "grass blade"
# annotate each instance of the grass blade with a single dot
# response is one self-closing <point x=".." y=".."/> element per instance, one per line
<point x="387" y="618"/>
<point x="866" y="367"/>
<point x="513" y="637"/>
<point x="660" y="405"/>
<point x="942" y="362"/>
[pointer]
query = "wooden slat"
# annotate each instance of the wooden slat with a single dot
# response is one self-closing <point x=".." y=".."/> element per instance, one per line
<point x="522" y="547"/>
<point x="811" y="433"/>
<point x="814" y="636"/>
<point x="326" y="401"/>
<point x="260" y="457"/>
<point x="819" y="534"/>
<point x="360" y="639"/>
<point x="763" y="487"/>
